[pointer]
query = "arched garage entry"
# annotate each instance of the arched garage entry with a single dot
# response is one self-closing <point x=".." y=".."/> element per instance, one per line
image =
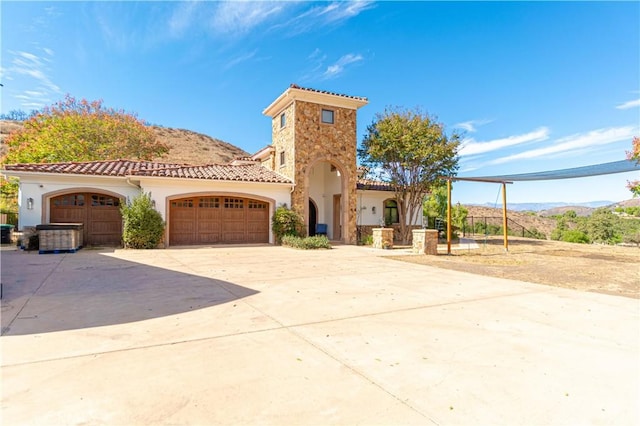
<point x="218" y="219"/>
<point x="98" y="212"/>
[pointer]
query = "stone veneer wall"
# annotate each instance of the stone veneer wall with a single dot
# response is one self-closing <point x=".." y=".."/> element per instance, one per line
<point x="283" y="140"/>
<point x="336" y="143"/>
<point x="364" y="230"/>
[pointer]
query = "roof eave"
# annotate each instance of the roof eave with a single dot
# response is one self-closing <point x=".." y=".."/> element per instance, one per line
<point x="295" y="94"/>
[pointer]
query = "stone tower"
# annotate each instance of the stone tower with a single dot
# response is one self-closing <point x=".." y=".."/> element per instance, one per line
<point x="314" y="143"/>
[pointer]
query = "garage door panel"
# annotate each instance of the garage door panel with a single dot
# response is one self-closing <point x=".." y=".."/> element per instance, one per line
<point x="216" y="219"/>
<point x="99" y="214"/>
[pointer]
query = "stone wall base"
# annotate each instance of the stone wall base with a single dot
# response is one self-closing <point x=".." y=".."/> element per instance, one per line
<point x="383" y="238"/>
<point x="425" y="241"/>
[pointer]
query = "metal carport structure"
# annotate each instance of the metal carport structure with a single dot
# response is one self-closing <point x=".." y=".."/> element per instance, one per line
<point x="622" y="166"/>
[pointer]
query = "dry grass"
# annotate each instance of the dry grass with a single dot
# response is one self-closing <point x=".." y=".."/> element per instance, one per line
<point x="598" y="268"/>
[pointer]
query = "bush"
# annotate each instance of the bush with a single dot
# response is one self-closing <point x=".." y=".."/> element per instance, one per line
<point x="285" y="222"/>
<point x="143" y="225"/>
<point x="308" y="243"/>
<point x="574" y="236"/>
<point x="367" y="240"/>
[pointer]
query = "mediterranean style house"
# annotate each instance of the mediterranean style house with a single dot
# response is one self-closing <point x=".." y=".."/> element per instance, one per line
<point x="309" y="166"/>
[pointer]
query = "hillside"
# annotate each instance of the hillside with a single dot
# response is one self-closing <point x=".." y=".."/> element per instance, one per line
<point x="187" y="147"/>
<point x="529" y="221"/>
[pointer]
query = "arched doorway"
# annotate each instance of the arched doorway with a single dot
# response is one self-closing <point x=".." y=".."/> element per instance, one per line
<point x="313" y="217"/>
<point x="325" y="199"/>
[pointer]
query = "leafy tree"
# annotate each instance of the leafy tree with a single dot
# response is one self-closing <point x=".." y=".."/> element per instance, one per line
<point x="410" y="150"/>
<point x="79" y="130"/>
<point x="143" y="227"/>
<point x="634" y="154"/>
<point x="435" y="205"/>
<point x="601" y="226"/>
<point x="16" y="115"/>
<point x="459" y="215"/>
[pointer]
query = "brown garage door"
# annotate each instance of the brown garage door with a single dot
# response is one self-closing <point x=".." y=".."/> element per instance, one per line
<point x="99" y="213"/>
<point x="218" y="220"/>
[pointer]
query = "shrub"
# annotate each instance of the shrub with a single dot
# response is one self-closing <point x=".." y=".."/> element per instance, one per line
<point x="574" y="236"/>
<point x="143" y="225"/>
<point x="285" y="222"/>
<point x="367" y="240"/>
<point x="308" y="243"/>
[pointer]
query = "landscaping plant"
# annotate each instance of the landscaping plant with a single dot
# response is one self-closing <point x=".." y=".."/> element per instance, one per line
<point x="143" y="225"/>
<point x="308" y="243"/>
<point x="285" y="222"/>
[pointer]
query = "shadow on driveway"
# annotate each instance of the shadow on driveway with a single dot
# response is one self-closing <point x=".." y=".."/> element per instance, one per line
<point x="55" y="292"/>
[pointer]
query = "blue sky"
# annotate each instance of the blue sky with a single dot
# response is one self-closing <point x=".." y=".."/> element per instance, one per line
<point x="534" y="85"/>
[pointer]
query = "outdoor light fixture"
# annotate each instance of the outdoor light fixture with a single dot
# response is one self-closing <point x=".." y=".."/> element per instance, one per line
<point x="373" y="209"/>
<point x="30" y="203"/>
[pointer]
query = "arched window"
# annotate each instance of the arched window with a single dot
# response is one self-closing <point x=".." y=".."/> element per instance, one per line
<point x="390" y="212"/>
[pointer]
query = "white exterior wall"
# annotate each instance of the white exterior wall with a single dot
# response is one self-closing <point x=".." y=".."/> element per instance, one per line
<point x="163" y="190"/>
<point x="43" y="187"/>
<point x="369" y="199"/>
<point x="323" y="185"/>
<point x="317" y="193"/>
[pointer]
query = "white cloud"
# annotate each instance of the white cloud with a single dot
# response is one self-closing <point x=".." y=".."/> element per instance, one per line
<point x="310" y="19"/>
<point x="34" y="68"/>
<point x="343" y="10"/>
<point x="574" y="143"/>
<point x="182" y="18"/>
<point x="239" y="59"/>
<point x="240" y="17"/>
<point x="338" y="68"/>
<point x="471" y="147"/>
<point x="630" y="104"/>
<point x="470" y="126"/>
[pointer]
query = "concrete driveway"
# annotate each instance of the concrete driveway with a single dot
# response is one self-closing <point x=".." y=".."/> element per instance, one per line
<point x="271" y="335"/>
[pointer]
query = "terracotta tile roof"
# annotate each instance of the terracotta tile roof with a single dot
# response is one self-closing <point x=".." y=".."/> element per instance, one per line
<point x="295" y="86"/>
<point x="240" y="173"/>
<point x="373" y="185"/>
<point x="124" y="168"/>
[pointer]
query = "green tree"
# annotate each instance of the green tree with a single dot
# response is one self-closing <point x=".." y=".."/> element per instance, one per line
<point x="410" y="150"/>
<point x="435" y="205"/>
<point x="79" y="130"/>
<point x="602" y="226"/>
<point x="634" y="154"/>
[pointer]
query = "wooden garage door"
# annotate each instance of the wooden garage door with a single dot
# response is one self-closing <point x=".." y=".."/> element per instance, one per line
<point x="218" y="220"/>
<point x="99" y="213"/>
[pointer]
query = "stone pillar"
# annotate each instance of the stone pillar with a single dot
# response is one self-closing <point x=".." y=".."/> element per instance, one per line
<point x="425" y="241"/>
<point x="383" y="238"/>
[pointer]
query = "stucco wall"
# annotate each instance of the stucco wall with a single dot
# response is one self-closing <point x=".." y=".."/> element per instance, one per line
<point x="369" y="199"/>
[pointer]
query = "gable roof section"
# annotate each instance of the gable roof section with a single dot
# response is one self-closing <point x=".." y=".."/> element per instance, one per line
<point x="129" y="168"/>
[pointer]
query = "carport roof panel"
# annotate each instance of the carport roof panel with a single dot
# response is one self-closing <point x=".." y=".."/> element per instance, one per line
<point x="622" y="166"/>
<point x="130" y="168"/>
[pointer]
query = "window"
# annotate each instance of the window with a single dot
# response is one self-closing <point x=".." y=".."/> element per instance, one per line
<point x="69" y="200"/>
<point x="104" y="201"/>
<point x="282" y="158"/>
<point x="182" y="203"/>
<point x="257" y="205"/>
<point x="327" y="116"/>
<point x="209" y="203"/>
<point x="390" y="212"/>
<point x="283" y="120"/>
<point x="233" y="203"/>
